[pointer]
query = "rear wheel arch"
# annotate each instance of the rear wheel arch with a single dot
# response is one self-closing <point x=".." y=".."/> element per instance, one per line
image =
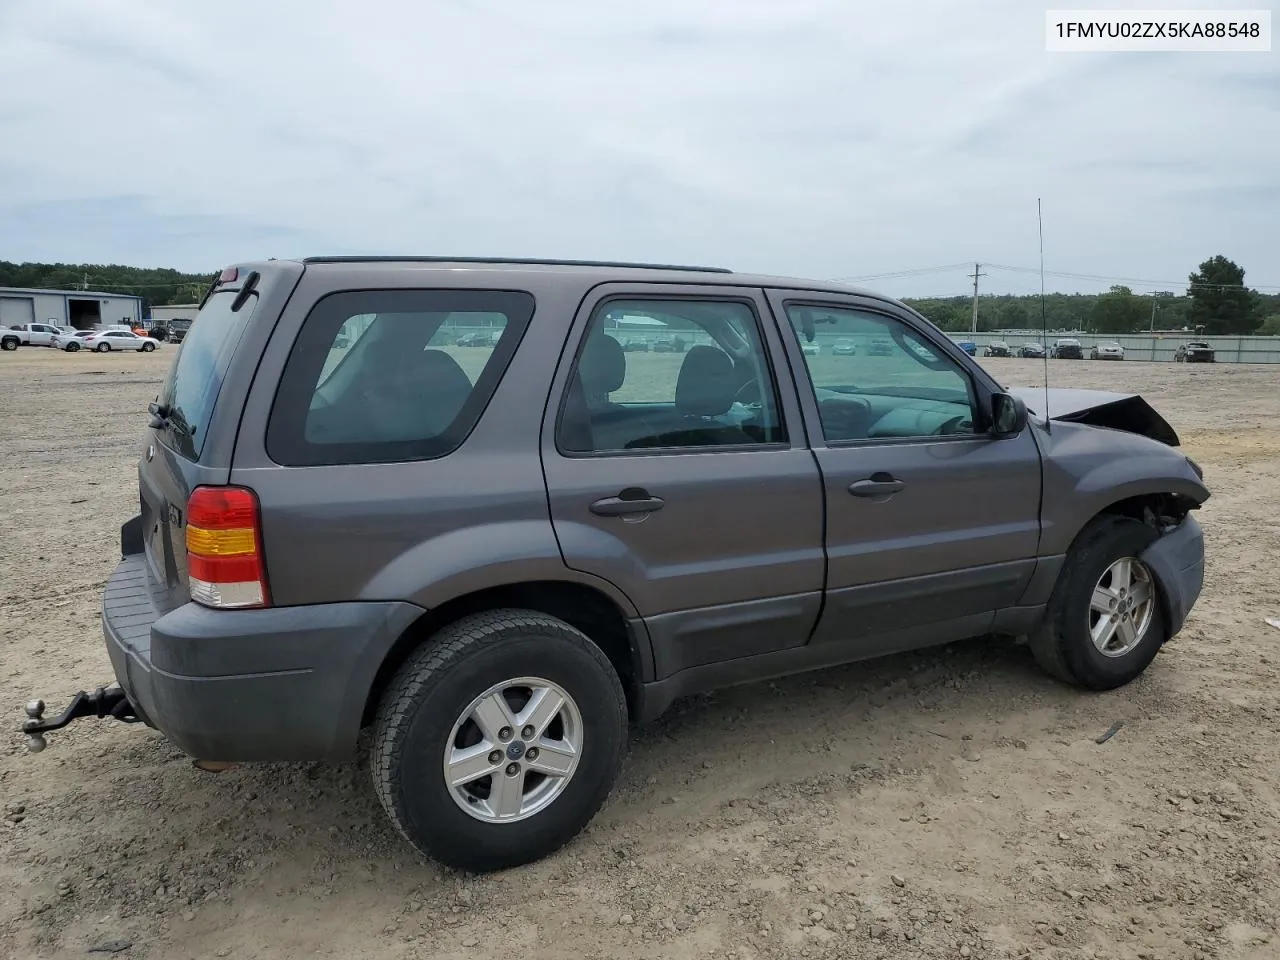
<point x="585" y="607"/>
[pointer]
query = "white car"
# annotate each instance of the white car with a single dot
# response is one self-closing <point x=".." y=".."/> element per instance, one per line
<point x="1107" y="350"/>
<point x="104" y="340"/>
<point x="70" y="340"/>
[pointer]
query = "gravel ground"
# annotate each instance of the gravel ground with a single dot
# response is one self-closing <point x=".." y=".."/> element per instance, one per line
<point x="951" y="803"/>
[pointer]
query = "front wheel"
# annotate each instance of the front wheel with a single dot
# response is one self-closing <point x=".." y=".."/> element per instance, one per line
<point x="103" y="347"/>
<point x="148" y="347"/>
<point x="1104" y="624"/>
<point x="499" y="739"/>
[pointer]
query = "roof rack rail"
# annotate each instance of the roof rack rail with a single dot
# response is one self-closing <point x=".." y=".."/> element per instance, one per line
<point x="533" y="261"/>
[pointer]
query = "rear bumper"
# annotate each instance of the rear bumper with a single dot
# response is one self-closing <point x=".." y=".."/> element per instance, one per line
<point x="241" y="685"/>
<point x="1177" y="560"/>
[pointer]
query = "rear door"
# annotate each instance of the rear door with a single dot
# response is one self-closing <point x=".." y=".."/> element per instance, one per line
<point x="199" y="403"/>
<point x="682" y="476"/>
<point x="932" y="524"/>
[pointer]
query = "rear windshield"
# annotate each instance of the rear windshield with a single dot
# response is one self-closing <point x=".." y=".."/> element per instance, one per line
<point x="196" y="377"/>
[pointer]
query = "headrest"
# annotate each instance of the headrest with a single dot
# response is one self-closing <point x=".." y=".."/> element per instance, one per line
<point x="706" y="385"/>
<point x="603" y="366"/>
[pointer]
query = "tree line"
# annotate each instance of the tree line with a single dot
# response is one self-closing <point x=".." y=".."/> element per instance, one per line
<point x="157" y="286"/>
<point x="1216" y="301"/>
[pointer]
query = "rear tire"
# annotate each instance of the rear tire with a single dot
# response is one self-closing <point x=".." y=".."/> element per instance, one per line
<point x="103" y="347"/>
<point x="439" y="706"/>
<point x="1064" y="643"/>
<point x="73" y="347"/>
<point x="9" y="343"/>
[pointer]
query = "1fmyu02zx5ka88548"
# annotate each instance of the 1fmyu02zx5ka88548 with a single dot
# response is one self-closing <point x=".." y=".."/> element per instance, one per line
<point x="448" y="506"/>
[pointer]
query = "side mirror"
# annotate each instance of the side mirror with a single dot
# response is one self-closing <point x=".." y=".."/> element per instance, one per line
<point x="1008" y="415"/>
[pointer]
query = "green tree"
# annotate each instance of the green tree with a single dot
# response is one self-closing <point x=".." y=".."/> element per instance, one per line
<point x="1220" y="302"/>
<point x="1270" y="326"/>
<point x="1118" y="311"/>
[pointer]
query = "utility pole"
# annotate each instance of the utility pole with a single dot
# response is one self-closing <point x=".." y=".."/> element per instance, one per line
<point x="1154" y="304"/>
<point x="976" y="275"/>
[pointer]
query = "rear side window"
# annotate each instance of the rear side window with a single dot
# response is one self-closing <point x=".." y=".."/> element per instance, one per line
<point x="196" y="377"/>
<point x="392" y="375"/>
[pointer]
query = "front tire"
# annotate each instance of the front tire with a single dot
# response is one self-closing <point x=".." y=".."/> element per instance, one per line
<point x="499" y="739"/>
<point x="1104" y="623"/>
<point x="148" y="347"/>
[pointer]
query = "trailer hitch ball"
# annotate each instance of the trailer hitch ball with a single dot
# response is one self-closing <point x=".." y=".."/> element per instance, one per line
<point x="35" y="713"/>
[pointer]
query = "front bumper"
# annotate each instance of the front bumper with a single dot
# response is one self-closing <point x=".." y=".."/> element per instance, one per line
<point x="289" y="683"/>
<point x="1177" y="560"/>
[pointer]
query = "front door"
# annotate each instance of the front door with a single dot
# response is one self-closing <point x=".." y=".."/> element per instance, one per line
<point x="677" y="470"/>
<point x="932" y="524"/>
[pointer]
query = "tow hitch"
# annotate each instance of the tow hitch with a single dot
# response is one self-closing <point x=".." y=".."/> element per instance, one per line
<point x="102" y="703"/>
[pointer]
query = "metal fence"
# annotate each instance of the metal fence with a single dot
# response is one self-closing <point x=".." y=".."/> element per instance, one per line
<point x="1144" y="346"/>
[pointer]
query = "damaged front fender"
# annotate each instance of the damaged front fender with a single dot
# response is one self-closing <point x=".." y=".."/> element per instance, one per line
<point x="1099" y="408"/>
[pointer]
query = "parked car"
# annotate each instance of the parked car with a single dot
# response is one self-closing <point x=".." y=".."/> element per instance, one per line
<point x="482" y="570"/>
<point x="669" y="345"/>
<point x="1106" y="350"/>
<point x="1197" y="351"/>
<point x="177" y="329"/>
<point x="481" y="338"/>
<point x="34" y="334"/>
<point x="810" y="349"/>
<point x="635" y="345"/>
<point x="1032" y="350"/>
<point x="1066" y="348"/>
<point x="996" y="348"/>
<point x="879" y="347"/>
<point x="968" y="346"/>
<point x="104" y="340"/>
<point x="844" y="348"/>
<point x="71" y="340"/>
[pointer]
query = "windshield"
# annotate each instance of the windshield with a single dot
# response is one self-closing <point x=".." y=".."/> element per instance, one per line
<point x="192" y="388"/>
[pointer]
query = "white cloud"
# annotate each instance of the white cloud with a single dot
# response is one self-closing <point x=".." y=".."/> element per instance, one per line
<point x="816" y="138"/>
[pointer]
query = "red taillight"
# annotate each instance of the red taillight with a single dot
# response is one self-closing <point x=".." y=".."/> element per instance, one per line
<point x="225" y="566"/>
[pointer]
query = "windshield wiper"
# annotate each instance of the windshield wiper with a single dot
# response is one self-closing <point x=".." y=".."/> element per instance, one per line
<point x="166" y="415"/>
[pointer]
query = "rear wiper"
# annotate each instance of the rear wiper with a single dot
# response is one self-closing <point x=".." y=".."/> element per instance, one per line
<point x="165" y="415"/>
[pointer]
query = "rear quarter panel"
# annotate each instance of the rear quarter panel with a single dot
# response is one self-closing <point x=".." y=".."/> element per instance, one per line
<point x="421" y="531"/>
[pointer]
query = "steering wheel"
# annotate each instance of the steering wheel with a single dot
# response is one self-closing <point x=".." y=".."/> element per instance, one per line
<point x="748" y="394"/>
<point x="960" y="424"/>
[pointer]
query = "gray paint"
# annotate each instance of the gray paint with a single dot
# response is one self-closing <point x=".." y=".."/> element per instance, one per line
<point x="760" y="562"/>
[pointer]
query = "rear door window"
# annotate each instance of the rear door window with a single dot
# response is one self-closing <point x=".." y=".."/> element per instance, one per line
<point x="195" y="379"/>
<point x="392" y="375"/>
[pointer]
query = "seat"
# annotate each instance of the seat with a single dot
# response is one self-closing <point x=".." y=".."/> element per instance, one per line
<point x="602" y="369"/>
<point x="418" y="397"/>
<point x="705" y="389"/>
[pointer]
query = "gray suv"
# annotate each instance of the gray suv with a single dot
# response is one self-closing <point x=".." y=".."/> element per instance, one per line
<point x="497" y="557"/>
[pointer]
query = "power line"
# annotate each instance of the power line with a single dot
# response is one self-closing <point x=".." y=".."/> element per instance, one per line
<point x="1134" y="280"/>
<point x="918" y="272"/>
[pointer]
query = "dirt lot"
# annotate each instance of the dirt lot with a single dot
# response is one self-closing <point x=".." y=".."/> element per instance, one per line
<point x="946" y="804"/>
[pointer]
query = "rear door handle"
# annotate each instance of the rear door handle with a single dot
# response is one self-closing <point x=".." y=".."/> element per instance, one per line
<point x="637" y="502"/>
<point x="877" y="485"/>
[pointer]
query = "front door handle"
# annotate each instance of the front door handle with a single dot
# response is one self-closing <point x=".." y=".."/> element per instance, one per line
<point x="877" y="485"/>
<point x="628" y="502"/>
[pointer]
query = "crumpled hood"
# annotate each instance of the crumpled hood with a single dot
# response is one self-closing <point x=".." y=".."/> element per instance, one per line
<point x="1099" y="408"/>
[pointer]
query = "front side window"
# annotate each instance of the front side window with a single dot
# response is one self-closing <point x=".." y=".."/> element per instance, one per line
<point x="385" y="376"/>
<point x="653" y="374"/>
<point x="875" y="378"/>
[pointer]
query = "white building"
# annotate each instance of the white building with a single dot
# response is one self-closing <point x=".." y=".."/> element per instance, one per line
<point x="82" y="309"/>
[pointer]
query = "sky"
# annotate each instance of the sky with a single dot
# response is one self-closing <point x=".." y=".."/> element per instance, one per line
<point x="816" y="138"/>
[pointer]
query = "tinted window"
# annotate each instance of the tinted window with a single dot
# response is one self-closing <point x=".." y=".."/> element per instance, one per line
<point x="895" y="384"/>
<point x="194" y="381"/>
<point x="380" y="376"/>
<point x="670" y="373"/>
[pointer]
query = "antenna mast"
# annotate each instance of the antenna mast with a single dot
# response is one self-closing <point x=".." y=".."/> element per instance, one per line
<point x="1044" y="323"/>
